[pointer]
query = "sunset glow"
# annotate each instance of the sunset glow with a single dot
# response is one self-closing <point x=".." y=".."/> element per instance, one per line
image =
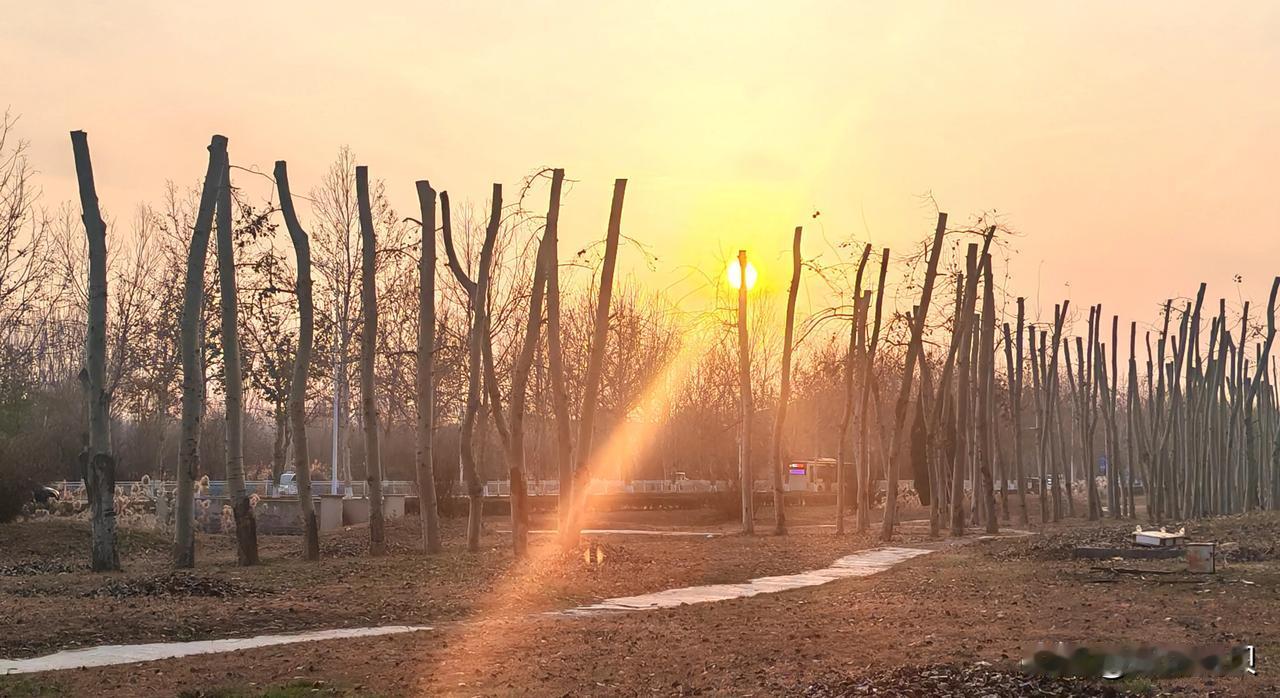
<point x="602" y="348"/>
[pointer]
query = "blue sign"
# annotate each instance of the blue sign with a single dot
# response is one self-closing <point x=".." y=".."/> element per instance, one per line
<point x="1102" y="464"/>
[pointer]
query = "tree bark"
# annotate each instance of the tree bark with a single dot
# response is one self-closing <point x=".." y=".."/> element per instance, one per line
<point x="301" y="367"/>
<point x="368" y="353"/>
<point x="184" y="551"/>
<point x="98" y="465"/>
<point x="426" y="386"/>
<point x="233" y="377"/>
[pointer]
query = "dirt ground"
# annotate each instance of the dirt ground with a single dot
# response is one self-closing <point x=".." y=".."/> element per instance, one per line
<point x="43" y="575"/>
<point x="955" y="622"/>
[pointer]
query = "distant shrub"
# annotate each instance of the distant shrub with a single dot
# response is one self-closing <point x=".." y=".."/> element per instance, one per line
<point x="15" y="491"/>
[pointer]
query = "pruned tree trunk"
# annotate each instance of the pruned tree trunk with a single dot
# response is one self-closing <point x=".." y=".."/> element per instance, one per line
<point x="595" y="368"/>
<point x="301" y="367"/>
<point x="866" y="487"/>
<point x="943" y="417"/>
<point x="986" y="385"/>
<point x="97" y="463"/>
<point x="1050" y="373"/>
<point x="233" y="379"/>
<point x="784" y="393"/>
<point x="279" y="444"/>
<point x="519" y="384"/>
<point x="915" y="348"/>
<point x="964" y="343"/>
<point x="555" y="357"/>
<point x="426" y="385"/>
<point x="850" y="368"/>
<point x="746" y="474"/>
<point x="184" y="548"/>
<point x="478" y="292"/>
<point x="368" y="354"/>
<point x="1013" y="357"/>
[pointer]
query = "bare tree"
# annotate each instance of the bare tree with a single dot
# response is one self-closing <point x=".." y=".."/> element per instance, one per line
<point x="746" y="408"/>
<point x="784" y="393"/>
<point x="242" y="509"/>
<point x="184" y="552"/>
<point x="98" y="463"/>
<point x="477" y="292"/>
<point x="301" y="366"/>
<point x="850" y="364"/>
<point x="986" y="399"/>
<point x="368" y="350"/>
<point x="1013" y="359"/>
<point x="426" y="393"/>
<point x="336" y="239"/>
<point x="555" y="354"/>
<point x="519" y="383"/>
<point x="595" y="363"/>
<point x="915" y="349"/>
<point x="869" y="386"/>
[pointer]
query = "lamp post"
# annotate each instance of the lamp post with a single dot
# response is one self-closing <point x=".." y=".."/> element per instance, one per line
<point x="742" y="276"/>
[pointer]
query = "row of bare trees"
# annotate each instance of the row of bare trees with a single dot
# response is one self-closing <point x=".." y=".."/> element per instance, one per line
<point x="1194" y="434"/>
<point x="215" y="207"/>
<point x="510" y="358"/>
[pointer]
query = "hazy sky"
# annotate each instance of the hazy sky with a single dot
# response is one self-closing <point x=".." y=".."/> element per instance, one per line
<point x="1135" y="144"/>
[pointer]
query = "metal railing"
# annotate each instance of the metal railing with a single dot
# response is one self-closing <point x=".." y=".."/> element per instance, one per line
<point x="218" y="488"/>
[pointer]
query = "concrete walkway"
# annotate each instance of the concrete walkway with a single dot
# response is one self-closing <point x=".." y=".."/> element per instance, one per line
<point x="861" y="564"/>
<point x="107" y="655"/>
<point x="630" y="532"/>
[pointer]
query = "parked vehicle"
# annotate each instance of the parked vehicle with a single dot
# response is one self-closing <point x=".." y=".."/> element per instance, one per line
<point x="45" y="495"/>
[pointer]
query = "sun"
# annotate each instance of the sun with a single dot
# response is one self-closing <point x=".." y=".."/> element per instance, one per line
<point x="734" y="272"/>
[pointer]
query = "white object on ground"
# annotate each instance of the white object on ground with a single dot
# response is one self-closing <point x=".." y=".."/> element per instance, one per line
<point x="860" y="564"/>
<point x="127" y="654"/>
<point x="1159" y="539"/>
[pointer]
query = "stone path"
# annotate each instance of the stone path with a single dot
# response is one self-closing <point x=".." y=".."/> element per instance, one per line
<point x="631" y="532"/>
<point x="107" y="655"/>
<point x="862" y="564"/>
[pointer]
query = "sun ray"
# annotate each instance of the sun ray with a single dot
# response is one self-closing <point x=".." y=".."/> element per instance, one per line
<point x="632" y="439"/>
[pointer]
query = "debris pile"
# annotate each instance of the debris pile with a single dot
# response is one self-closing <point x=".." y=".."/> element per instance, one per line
<point x="174" y="584"/>
<point x="35" y="567"/>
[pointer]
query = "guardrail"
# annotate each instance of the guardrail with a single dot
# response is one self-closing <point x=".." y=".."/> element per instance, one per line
<point x="218" y="488"/>
<point x="492" y="488"/>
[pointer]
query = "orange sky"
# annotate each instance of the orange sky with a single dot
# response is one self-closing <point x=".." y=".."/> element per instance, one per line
<point x="1135" y="144"/>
